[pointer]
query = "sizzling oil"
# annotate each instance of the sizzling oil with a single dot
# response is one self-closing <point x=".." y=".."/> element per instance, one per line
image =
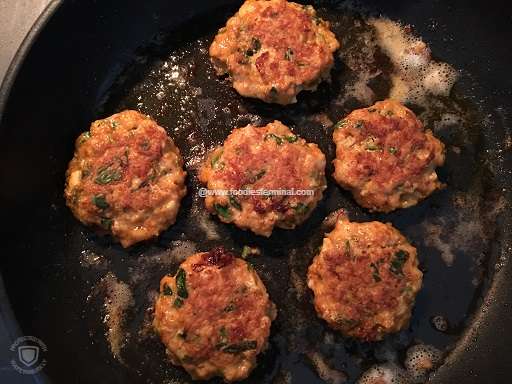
<point x="173" y="82"/>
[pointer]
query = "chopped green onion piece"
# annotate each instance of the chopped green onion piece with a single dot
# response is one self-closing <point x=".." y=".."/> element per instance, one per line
<point x="84" y="137"/>
<point x="222" y="211"/>
<point x="106" y="175"/>
<point x="301" y="209"/>
<point x="178" y="303"/>
<point x="167" y="291"/>
<point x="375" y="274"/>
<point x="100" y="201"/>
<point x="398" y="262"/>
<point x="288" y="55"/>
<point x="106" y="223"/>
<point x="260" y="174"/>
<point x="235" y="203"/>
<point x="181" y="283"/>
<point x="372" y="147"/>
<point x="215" y="160"/>
<point x="340" y="124"/>
<point x="246" y="251"/>
<point x="273" y="136"/>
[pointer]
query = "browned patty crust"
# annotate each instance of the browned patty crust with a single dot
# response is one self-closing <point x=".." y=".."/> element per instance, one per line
<point x="385" y="157"/>
<point x="264" y="158"/>
<point x="126" y="177"/>
<point x="274" y="49"/>
<point x="365" y="279"/>
<point x="214" y="316"/>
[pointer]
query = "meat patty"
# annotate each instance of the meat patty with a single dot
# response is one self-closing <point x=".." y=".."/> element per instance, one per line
<point x="274" y="49"/>
<point x="257" y="161"/>
<point x="385" y="157"/>
<point x="214" y="316"/>
<point x="126" y="177"/>
<point x="365" y="279"/>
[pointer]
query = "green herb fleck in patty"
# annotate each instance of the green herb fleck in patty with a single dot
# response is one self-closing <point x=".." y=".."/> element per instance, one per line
<point x="100" y="201"/>
<point x="291" y="138"/>
<point x="398" y="262"/>
<point x="301" y="209"/>
<point x="255" y="47"/>
<point x="223" y="338"/>
<point x="372" y="147"/>
<point x="375" y="274"/>
<point x="288" y="55"/>
<point x="84" y="137"/>
<point x="246" y="251"/>
<point x="359" y="124"/>
<point x="222" y="211"/>
<point x="340" y="124"/>
<point x="167" y="291"/>
<point x="235" y="203"/>
<point x="273" y="136"/>
<point x="181" y="283"/>
<point x="215" y="163"/>
<point x="107" y="175"/>
<point x="243" y="346"/>
<point x="178" y="303"/>
<point x="106" y="223"/>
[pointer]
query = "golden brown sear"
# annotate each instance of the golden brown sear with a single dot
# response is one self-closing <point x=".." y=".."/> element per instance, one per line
<point x="386" y="158"/>
<point x="274" y="49"/>
<point x="214" y="316"/>
<point x="126" y="177"/>
<point x="259" y="162"/>
<point x="365" y="279"/>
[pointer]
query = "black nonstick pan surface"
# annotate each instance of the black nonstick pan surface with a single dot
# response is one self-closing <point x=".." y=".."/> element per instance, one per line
<point x="95" y="58"/>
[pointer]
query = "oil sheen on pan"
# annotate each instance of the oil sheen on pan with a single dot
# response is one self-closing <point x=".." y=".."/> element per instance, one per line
<point x="173" y="81"/>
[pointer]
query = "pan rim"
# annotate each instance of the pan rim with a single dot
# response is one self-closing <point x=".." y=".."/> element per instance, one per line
<point x="8" y="321"/>
<point x="22" y="52"/>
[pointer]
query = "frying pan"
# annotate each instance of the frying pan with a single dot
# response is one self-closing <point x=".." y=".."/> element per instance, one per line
<point x="87" y="59"/>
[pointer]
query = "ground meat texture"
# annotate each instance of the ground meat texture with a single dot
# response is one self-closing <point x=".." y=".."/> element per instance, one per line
<point x="274" y="49"/>
<point x="214" y="316"/>
<point x="264" y="158"/>
<point x="126" y="178"/>
<point x="365" y="279"/>
<point x="385" y="157"/>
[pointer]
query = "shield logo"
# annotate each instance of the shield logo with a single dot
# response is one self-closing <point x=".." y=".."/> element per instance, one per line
<point x="28" y="354"/>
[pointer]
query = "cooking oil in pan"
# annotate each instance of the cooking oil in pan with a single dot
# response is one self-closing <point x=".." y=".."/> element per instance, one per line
<point x="453" y="229"/>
